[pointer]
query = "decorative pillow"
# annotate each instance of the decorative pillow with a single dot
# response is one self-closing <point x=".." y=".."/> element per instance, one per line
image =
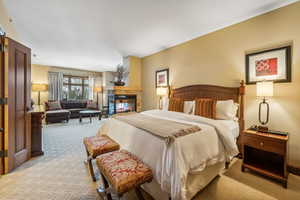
<point x="206" y="108"/>
<point x="92" y="105"/>
<point x="176" y="105"/>
<point x="226" y="110"/>
<point x="189" y="107"/>
<point x="53" y="105"/>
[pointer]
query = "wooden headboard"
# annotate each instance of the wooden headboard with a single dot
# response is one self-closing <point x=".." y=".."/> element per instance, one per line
<point x="193" y="92"/>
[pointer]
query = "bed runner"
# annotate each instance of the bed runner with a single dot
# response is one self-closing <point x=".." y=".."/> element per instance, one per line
<point x="166" y="129"/>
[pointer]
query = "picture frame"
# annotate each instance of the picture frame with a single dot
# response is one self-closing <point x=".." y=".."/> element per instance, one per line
<point x="162" y="78"/>
<point x="269" y="65"/>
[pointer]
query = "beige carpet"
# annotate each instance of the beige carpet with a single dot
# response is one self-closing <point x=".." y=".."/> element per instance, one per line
<point x="61" y="175"/>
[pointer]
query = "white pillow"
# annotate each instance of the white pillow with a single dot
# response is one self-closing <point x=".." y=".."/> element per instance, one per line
<point x="189" y="107"/>
<point x="226" y="110"/>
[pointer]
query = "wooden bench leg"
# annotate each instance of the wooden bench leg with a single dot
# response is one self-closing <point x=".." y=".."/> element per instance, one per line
<point x="139" y="193"/>
<point x="90" y="165"/>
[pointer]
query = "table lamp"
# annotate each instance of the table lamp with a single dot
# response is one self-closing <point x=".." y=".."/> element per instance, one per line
<point x="39" y="87"/>
<point x="161" y="91"/>
<point x="264" y="89"/>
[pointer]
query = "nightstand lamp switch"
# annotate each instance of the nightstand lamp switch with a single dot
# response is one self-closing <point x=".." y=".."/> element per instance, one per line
<point x="264" y="89"/>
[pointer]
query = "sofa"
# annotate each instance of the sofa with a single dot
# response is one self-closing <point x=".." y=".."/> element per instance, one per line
<point x="58" y="111"/>
<point x="74" y="107"/>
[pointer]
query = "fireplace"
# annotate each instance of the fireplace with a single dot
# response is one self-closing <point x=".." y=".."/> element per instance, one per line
<point x="121" y="103"/>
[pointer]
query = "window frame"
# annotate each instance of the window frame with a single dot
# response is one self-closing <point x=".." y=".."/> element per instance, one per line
<point x="70" y="84"/>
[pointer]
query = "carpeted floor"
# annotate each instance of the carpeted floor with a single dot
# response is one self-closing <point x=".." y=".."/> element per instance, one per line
<point x="61" y="175"/>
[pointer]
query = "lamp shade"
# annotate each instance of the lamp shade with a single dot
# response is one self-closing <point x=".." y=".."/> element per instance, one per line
<point x="162" y="91"/>
<point x="264" y="89"/>
<point x="39" y="87"/>
<point x="98" y="89"/>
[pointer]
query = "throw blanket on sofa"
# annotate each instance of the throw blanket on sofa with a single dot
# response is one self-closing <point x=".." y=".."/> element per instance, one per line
<point x="166" y="129"/>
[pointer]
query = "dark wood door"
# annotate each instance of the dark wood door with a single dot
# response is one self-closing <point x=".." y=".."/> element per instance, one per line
<point x="17" y="90"/>
<point x="1" y="106"/>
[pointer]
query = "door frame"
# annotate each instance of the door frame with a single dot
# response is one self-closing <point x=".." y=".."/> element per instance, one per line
<point x="1" y="106"/>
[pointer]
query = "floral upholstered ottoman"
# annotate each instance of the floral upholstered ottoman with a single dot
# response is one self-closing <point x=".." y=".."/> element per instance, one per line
<point x="123" y="171"/>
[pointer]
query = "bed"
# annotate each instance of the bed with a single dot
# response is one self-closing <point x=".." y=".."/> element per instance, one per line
<point x="188" y="164"/>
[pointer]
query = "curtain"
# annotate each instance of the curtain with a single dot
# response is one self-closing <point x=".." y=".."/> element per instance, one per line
<point x="91" y="87"/>
<point x="55" y="85"/>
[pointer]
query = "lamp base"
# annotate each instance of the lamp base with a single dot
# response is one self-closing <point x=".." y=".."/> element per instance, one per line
<point x="263" y="129"/>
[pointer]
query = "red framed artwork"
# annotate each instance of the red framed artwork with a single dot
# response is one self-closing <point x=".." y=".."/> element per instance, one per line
<point x="162" y="78"/>
<point x="270" y="65"/>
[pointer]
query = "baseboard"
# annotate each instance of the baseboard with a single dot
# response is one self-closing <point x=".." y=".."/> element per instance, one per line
<point x="294" y="169"/>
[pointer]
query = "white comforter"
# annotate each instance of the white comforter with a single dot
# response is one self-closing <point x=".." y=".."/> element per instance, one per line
<point x="172" y="163"/>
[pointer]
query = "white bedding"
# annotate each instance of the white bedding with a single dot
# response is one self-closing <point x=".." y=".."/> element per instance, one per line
<point x="233" y="125"/>
<point x="172" y="163"/>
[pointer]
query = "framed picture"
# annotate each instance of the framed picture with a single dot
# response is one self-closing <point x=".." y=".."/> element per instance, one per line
<point x="162" y="78"/>
<point x="270" y="65"/>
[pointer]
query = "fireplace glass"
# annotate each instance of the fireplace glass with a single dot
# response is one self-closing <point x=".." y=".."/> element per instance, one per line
<point x="122" y="103"/>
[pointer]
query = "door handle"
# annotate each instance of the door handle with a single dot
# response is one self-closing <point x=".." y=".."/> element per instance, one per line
<point x="1" y="129"/>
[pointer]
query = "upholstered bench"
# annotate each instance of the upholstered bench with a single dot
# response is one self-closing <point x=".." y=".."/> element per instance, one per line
<point x="97" y="145"/>
<point x="124" y="172"/>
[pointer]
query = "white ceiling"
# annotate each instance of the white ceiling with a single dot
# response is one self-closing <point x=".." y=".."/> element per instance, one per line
<point x="96" y="34"/>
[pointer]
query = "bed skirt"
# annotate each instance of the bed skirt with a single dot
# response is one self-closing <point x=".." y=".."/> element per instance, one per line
<point x="196" y="182"/>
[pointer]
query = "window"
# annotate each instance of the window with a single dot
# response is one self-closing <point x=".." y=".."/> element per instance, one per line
<point x="75" y="87"/>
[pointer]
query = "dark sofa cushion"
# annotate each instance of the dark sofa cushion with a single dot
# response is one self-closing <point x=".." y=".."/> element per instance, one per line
<point x="70" y="104"/>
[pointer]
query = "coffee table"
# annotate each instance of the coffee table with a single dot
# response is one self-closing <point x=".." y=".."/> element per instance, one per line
<point x="90" y="114"/>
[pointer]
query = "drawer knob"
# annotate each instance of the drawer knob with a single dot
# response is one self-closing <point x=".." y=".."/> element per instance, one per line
<point x="261" y="144"/>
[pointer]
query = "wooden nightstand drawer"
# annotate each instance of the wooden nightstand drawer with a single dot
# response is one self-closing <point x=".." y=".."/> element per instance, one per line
<point x="264" y="144"/>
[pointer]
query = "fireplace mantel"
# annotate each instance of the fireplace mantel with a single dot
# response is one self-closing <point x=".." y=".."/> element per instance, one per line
<point x="122" y="89"/>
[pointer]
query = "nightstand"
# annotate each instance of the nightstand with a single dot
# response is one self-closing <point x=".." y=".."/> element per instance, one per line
<point x="266" y="154"/>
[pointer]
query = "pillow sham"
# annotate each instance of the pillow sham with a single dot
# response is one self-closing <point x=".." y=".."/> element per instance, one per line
<point x="189" y="107"/>
<point x="176" y="105"/>
<point x="206" y="108"/>
<point x="226" y="110"/>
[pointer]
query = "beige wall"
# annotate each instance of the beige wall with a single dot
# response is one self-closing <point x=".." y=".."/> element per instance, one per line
<point x="135" y="74"/>
<point x="219" y="58"/>
<point x="39" y="74"/>
<point x="6" y="25"/>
